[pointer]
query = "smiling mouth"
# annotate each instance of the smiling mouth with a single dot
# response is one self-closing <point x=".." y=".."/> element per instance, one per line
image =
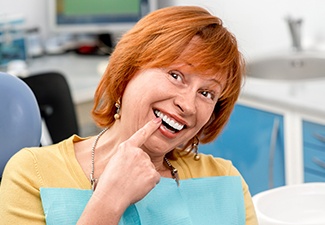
<point x="169" y="123"/>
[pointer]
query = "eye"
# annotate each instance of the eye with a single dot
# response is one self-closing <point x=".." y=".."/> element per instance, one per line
<point x="208" y="94"/>
<point x="176" y="75"/>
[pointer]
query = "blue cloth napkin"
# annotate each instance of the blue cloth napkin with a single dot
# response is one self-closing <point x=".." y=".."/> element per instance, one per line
<point x="212" y="200"/>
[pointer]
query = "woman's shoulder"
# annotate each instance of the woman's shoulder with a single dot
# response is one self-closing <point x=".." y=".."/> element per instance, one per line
<point x="207" y="165"/>
<point x="46" y="164"/>
<point x="44" y="154"/>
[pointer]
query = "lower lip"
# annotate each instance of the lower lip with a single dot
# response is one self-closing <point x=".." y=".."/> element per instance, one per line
<point x="166" y="132"/>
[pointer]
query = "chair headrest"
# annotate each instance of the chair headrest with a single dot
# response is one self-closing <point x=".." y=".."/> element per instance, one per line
<point x="20" y="120"/>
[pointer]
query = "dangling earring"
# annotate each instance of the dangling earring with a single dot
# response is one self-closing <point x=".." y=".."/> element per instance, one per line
<point x="117" y="116"/>
<point x="195" y="148"/>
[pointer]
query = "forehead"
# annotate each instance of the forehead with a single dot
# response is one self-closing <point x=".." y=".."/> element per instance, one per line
<point x="193" y="58"/>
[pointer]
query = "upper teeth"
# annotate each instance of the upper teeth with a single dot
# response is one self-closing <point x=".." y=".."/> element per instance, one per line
<point x="169" y="121"/>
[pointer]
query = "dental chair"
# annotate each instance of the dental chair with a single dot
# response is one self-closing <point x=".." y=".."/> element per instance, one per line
<point x="20" y="120"/>
<point x="54" y="99"/>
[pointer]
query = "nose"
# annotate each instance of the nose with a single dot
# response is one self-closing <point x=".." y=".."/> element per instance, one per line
<point x="186" y="102"/>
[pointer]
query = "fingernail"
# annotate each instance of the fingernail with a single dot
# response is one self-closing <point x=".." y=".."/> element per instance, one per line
<point x="157" y="120"/>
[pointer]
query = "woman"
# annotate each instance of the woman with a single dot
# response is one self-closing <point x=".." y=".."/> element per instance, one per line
<point x="171" y="82"/>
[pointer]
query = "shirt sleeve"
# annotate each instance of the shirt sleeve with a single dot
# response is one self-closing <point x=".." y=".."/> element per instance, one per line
<point x="19" y="191"/>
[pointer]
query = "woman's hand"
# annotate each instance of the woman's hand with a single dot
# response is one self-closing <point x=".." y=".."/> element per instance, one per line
<point x="127" y="178"/>
<point x="130" y="174"/>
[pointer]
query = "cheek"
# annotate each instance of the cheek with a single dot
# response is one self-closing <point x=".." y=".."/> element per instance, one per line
<point x="134" y="91"/>
<point x="138" y="96"/>
<point x="205" y="114"/>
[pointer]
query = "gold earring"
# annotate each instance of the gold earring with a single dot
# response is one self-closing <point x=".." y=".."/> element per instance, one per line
<point x="117" y="116"/>
<point x="195" y="148"/>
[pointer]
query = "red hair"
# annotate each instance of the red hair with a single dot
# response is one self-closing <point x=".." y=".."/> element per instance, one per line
<point x="157" y="41"/>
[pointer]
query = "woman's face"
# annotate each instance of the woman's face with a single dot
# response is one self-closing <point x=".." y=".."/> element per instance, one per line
<point x="181" y="96"/>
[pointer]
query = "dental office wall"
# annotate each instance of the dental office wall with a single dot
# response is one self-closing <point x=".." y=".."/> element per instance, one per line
<point x="259" y="25"/>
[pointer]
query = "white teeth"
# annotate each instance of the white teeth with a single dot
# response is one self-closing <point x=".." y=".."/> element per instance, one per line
<point x="169" y="121"/>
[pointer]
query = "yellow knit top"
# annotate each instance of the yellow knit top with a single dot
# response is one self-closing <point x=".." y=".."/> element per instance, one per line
<point x="56" y="166"/>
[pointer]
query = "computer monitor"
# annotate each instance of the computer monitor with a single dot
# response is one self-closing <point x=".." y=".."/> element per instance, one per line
<point x="96" y="16"/>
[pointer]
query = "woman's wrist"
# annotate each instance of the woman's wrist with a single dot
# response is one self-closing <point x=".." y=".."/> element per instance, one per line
<point x="102" y="210"/>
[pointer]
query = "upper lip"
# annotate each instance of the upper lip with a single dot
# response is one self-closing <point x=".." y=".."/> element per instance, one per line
<point x="174" y="117"/>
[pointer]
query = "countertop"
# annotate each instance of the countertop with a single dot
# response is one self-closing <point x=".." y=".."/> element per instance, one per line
<point x="83" y="73"/>
<point x="304" y="95"/>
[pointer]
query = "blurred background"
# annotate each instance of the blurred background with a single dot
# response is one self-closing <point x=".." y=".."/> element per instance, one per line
<point x="258" y="24"/>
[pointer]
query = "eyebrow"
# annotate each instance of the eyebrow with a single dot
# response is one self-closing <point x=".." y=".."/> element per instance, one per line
<point x="212" y="79"/>
<point x="217" y="82"/>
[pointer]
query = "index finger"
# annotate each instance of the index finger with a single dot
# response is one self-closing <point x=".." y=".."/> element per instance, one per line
<point x="140" y="137"/>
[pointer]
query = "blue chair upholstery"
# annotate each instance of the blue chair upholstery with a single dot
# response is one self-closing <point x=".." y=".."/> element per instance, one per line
<point x="20" y="120"/>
